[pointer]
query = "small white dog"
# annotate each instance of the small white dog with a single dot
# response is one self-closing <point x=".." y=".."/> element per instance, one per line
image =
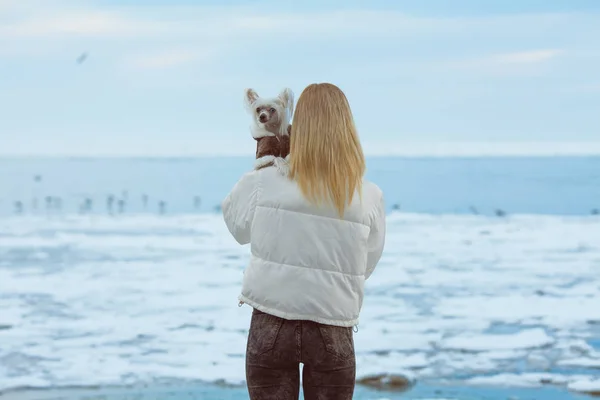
<point x="270" y="125"/>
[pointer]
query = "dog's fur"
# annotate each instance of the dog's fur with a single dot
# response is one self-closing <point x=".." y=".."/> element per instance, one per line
<point x="270" y="125"/>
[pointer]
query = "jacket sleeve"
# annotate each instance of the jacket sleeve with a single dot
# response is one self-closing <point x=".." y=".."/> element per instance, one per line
<point x="376" y="240"/>
<point x="239" y="206"/>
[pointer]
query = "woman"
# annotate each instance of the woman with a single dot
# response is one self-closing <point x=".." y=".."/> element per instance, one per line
<point x="316" y="230"/>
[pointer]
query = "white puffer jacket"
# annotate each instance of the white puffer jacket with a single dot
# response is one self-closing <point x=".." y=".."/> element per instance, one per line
<point x="306" y="262"/>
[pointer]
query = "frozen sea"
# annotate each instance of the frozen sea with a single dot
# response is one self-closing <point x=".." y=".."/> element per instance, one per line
<point x="489" y="286"/>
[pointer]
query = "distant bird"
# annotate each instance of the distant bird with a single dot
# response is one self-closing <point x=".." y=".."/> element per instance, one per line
<point x="145" y="200"/>
<point x="48" y="202"/>
<point x="121" y="204"/>
<point x="37" y="178"/>
<point x="88" y="204"/>
<point x="162" y="205"/>
<point x="595" y="211"/>
<point x="500" y="213"/>
<point x="81" y="59"/>
<point x="396" y="207"/>
<point x="474" y="210"/>
<point x="109" y="203"/>
<point x="18" y="207"/>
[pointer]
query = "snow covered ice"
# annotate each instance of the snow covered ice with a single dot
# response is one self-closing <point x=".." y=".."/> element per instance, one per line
<point x="100" y="300"/>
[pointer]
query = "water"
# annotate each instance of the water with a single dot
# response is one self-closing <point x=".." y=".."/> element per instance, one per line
<point x="202" y="392"/>
<point x="566" y="185"/>
<point x="469" y="306"/>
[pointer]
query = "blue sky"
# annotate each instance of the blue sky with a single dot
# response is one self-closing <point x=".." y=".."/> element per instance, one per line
<point x="167" y="77"/>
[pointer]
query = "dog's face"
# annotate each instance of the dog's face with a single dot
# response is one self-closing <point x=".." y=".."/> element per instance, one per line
<point x="268" y="112"/>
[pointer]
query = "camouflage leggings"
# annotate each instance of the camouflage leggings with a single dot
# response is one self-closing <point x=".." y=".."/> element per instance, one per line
<point x="276" y="347"/>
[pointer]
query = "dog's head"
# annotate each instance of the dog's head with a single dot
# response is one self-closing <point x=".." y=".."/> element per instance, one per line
<point x="271" y="113"/>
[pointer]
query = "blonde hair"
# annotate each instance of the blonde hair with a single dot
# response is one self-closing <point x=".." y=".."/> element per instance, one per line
<point x="326" y="157"/>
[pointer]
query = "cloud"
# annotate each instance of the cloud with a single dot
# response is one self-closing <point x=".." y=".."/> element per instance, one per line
<point x="508" y="63"/>
<point x="82" y="23"/>
<point x="354" y="36"/>
<point x="579" y="89"/>
<point x="63" y="18"/>
<point x="446" y="78"/>
<point x="174" y="21"/>
<point x="357" y="35"/>
<point x="592" y="88"/>
<point x="239" y="25"/>
<point x="34" y="18"/>
<point x="167" y="59"/>
<point x="525" y="57"/>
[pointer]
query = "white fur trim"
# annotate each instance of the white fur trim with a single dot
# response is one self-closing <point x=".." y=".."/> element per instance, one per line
<point x="261" y="162"/>
<point x="287" y="158"/>
<point x="260" y="132"/>
<point x="282" y="165"/>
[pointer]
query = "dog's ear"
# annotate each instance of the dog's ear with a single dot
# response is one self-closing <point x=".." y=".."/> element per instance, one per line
<point x="287" y="98"/>
<point x="250" y="96"/>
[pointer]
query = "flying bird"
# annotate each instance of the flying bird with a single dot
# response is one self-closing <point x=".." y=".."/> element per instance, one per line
<point x="82" y="58"/>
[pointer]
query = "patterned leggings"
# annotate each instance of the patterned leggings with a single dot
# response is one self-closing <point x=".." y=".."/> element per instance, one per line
<point x="276" y="347"/>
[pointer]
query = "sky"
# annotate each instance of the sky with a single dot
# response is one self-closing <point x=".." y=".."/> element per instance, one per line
<point x="166" y="77"/>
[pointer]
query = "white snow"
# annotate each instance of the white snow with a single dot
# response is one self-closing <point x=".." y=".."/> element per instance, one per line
<point x="586" y="385"/>
<point x="526" y="339"/>
<point x="95" y="300"/>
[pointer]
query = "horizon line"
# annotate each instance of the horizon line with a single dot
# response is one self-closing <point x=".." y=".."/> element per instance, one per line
<point x="371" y="149"/>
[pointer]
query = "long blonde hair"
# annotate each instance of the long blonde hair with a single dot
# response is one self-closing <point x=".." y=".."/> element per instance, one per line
<point x="326" y="157"/>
